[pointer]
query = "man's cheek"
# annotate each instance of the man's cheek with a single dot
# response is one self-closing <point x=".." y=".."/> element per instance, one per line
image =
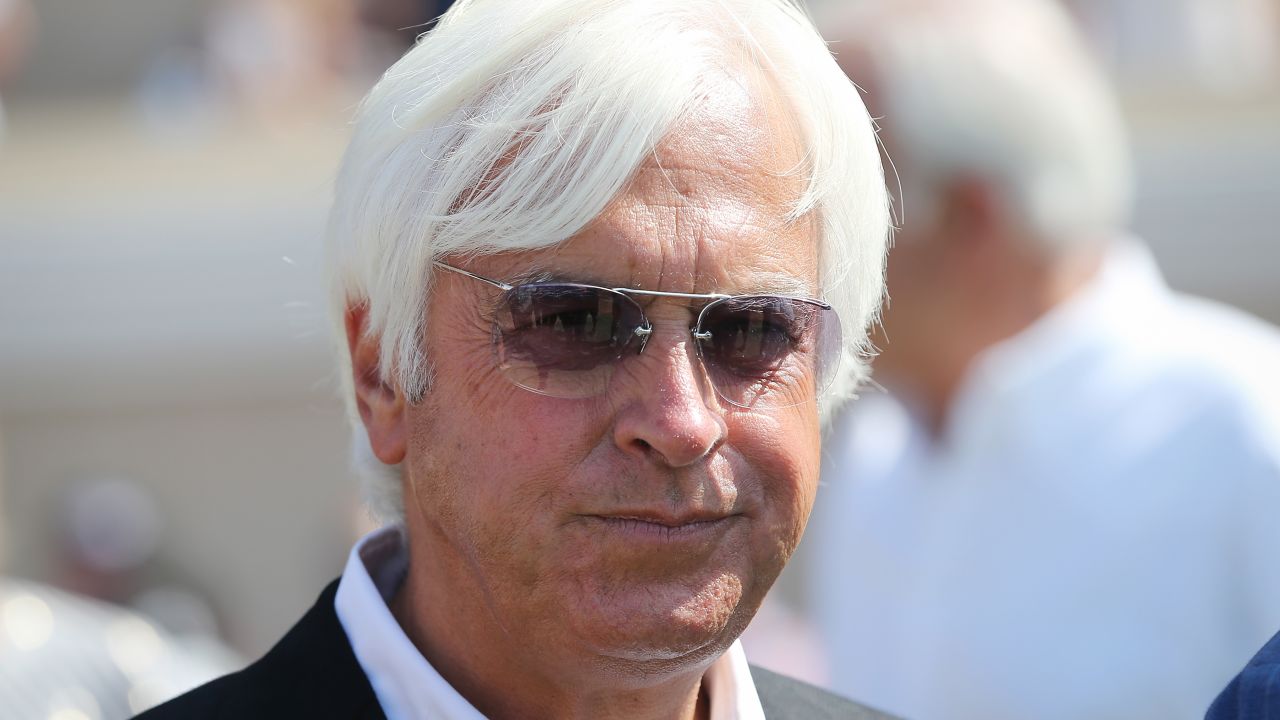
<point x="552" y="430"/>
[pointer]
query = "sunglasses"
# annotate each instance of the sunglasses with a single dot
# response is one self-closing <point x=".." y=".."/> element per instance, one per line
<point x="566" y="339"/>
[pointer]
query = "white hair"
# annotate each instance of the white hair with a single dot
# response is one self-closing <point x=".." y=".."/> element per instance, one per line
<point x="1002" y="90"/>
<point x="512" y="125"/>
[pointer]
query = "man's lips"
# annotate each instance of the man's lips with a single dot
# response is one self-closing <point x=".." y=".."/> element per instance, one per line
<point x="641" y="525"/>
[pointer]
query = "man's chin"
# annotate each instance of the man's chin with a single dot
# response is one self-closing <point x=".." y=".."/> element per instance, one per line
<point x="667" y="625"/>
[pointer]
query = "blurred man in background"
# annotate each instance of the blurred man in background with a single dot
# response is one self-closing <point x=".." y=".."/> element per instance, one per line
<point x="1065" y="506"/>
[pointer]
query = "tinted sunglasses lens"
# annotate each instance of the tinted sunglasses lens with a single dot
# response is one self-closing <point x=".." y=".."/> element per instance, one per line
<point x="770" y="350"/>
<point x="562" y="339"/>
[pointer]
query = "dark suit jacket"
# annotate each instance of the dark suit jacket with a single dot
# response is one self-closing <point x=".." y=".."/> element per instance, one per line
<point x="312" y="673"/>
<point x="1255" y="692"/>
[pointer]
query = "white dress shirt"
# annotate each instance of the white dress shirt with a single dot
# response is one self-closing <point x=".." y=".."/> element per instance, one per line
<point x="406" y="685"/>
<point x="1095" y="534"/>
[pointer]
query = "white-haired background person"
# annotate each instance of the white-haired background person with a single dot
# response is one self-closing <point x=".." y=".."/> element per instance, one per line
<point x="600" y="269"/>
<point x="1065" y="505"/>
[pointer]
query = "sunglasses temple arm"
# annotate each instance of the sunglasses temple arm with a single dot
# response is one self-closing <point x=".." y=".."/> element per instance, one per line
<point x="481" y="278"/>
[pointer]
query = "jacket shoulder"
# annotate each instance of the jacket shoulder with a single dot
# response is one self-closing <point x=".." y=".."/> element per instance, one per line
<point x="783" y="698"/>
<point x="1252" y="693"/>
<point x="311" y="672"/>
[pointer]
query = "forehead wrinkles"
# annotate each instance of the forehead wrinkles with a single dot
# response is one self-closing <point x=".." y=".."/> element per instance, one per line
<point x="671" y="238"/>
<point x="718" y="187"/>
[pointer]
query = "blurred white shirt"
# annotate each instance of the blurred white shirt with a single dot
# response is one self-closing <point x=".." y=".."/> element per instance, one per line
<point x="68" y="656"/>
<point x="1096" y="535"/>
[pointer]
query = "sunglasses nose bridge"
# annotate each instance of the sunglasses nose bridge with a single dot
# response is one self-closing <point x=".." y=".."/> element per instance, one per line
<point x="644" y="332"/>
<point x="648" y="329"/>
<point x="675" y="363"/>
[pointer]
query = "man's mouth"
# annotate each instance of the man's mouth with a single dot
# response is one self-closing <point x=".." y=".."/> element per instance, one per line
<point x="642" y="526"/>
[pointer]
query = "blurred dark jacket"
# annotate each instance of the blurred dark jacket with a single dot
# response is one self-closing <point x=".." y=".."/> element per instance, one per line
<point x="1255" y="693"/>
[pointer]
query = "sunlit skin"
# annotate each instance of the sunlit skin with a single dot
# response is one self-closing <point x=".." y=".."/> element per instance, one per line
<point x="591" y="558"/>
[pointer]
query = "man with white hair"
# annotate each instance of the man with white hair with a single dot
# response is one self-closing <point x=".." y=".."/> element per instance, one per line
<point x="1065" y="505"/>
<point x="600" y="268"/>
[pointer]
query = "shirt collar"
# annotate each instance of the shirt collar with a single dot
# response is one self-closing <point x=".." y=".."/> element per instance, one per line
<point x="405" y="683"/>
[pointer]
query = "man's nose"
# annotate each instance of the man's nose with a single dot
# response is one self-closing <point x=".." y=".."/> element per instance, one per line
<point x="669" y="412"/>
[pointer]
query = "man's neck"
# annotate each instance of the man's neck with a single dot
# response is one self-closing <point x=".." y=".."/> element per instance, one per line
<point x="933" y="389"/>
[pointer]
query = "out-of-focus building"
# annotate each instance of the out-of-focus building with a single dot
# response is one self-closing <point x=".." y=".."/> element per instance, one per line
<point x="163" y="187"/>
<point x="1205" y="47"/>
<point x="1200" y="83"/>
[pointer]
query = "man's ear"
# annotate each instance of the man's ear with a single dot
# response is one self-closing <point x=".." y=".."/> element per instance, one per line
<point x="381" y="404"/>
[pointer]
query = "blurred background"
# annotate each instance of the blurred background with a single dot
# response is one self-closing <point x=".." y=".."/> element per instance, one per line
<point x="165" y="374"/>
<point x="170" y="434"/>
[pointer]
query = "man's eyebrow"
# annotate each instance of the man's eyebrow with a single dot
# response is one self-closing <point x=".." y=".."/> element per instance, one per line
<point x="778" y="284"/>
<point x="537" y="275"/>
<point x="546" y="275"/>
